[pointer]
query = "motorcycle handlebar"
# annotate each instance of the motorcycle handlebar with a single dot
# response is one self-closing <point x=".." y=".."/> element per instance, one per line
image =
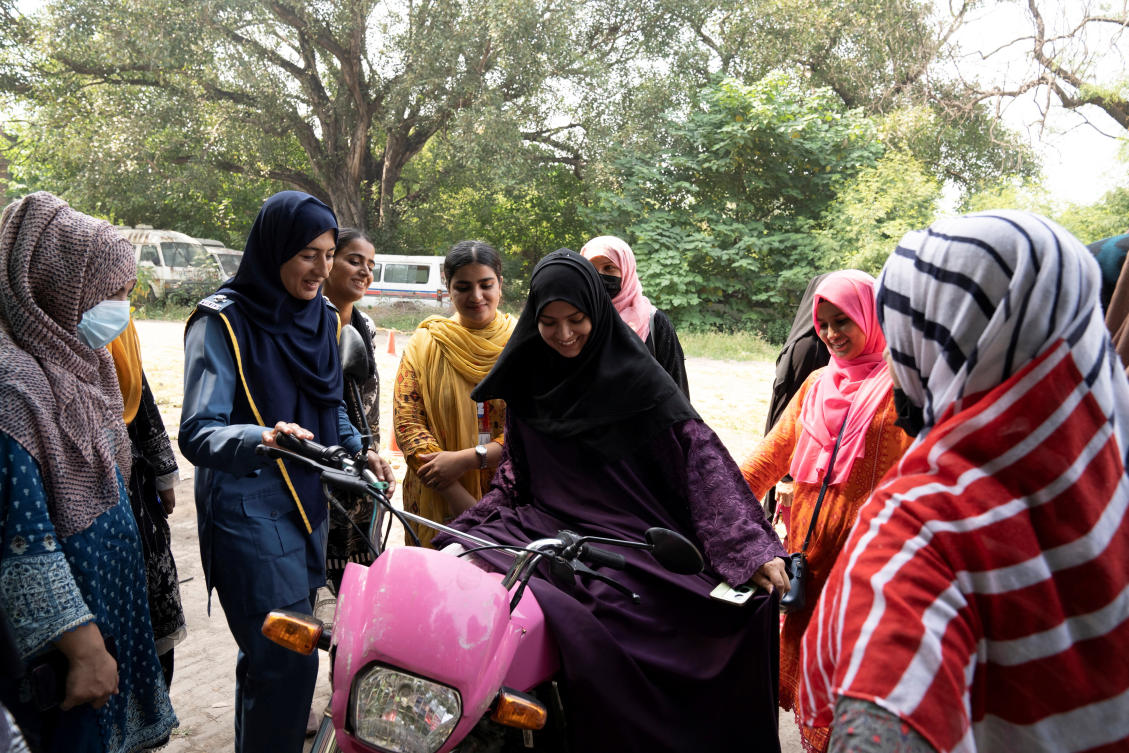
<point x="311" y="450"/>
<point x="601" y="557"/>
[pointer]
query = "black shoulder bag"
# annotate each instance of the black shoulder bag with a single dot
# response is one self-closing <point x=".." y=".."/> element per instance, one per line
<point x="797" y="562"/>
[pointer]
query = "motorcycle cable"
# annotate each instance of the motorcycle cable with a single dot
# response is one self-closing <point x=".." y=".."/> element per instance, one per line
<point x="517" y="551"/>
<point x="339" y="478"/>
<point x="341" y="509"/>
<point x="511" y="548"/>
<point x="386" y="533"/>
<point x="576" y="568"/>
<point x="404" y="522"/>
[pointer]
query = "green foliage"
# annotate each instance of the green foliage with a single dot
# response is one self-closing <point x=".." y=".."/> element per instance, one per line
<point x="535" y="211"/>
<point x="163" y="310"/>
<point x="874" y="210"/>
<point x="1009" y="193"/>
<point x="725" y="222"/>
<point x="142" y="292"/>
<point x="879" y="56"/>
<point x="1105" y="219"/>
<point x="402" y="317"/>
<point x="132" y="181"/>
<point x="971" y="150"/>
<point x="532" y="124"/>
<point x="333" y="99"/>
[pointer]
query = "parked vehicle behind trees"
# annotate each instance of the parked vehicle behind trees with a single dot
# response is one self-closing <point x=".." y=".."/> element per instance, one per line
<point x="407" y="278"/>
<point x="226" y="258"/>
<point x="168" y="261"/>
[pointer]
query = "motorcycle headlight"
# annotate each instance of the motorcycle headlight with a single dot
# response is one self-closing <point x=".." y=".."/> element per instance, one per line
<point x="402" y="713"/>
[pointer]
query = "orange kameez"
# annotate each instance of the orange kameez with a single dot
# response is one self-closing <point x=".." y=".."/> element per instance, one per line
<point x="767" y="464"/>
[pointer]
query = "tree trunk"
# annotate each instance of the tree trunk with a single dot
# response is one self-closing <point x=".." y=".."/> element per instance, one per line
<point x="394" y="157"/>
<point x="346" y="200"/>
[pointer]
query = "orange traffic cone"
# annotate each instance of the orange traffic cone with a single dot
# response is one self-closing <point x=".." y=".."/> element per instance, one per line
<point x="392" y="342"/>
<point x="392" y="446"/>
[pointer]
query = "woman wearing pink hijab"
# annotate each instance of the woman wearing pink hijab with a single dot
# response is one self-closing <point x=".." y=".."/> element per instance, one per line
<point x="853" y="395"/>
<point x="615" y="263"/>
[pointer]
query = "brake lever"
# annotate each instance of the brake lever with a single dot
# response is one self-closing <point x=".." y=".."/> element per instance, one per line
<point x="581" y="569"/>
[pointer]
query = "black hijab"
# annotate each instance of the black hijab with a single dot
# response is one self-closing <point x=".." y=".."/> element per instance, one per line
<point x="302" y="335"/>
<point x="609" y="397"/>
<point x="287" y="347"/>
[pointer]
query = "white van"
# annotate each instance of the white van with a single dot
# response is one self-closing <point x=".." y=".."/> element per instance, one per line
<point x="227" y="258"/>
<point x="407" y="278"/>
<point x="171" y="260"/>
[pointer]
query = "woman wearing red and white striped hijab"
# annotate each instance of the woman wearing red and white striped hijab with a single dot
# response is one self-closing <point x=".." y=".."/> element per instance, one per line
<point x="982" y="602"/>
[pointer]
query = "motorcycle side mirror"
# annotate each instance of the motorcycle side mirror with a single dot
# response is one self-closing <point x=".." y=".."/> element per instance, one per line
<point x="354" y="365"/>
<point x="674" y="551"/>
<point x="354" y="354"/>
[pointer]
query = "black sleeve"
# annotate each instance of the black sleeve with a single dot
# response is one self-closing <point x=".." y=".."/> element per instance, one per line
<point x="668" y="351"/>
<point x="149" y="436"/>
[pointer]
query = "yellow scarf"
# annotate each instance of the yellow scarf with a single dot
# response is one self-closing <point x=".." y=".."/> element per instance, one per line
<point x="449" y="360"/>
<point x="126" y="350"/>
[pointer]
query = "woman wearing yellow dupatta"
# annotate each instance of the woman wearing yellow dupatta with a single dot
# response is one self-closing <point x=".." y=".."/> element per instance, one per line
<point x="151" y="485"/>
<point x="126" y="352"/>
<point x="451" y="443"/>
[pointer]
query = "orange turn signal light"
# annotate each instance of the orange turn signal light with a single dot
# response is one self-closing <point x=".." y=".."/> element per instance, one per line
<point x="298" y="632"/>
<point x="519" y="710"/>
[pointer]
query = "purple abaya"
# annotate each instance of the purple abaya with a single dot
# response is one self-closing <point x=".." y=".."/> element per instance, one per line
<point x="679" y="671"/>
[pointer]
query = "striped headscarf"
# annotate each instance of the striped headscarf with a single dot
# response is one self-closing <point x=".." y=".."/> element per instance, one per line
<point x="59" y="398"/>
<point x="984" y="594"/>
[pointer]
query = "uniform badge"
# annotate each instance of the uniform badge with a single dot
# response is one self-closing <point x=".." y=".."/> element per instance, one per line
<point x="217" y="302"/>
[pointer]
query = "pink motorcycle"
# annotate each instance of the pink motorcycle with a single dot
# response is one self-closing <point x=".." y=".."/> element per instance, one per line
<point x="431" y="653"/>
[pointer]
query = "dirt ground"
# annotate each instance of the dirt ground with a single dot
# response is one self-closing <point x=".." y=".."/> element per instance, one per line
<point x="732" y="397"/>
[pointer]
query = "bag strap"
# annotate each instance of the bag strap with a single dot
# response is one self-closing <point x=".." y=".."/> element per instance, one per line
<point x="823" y="489"/>
<point x="650" y="342"/>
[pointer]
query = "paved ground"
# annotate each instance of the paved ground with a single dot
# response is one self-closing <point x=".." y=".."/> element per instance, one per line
<point x="731" y="396"/>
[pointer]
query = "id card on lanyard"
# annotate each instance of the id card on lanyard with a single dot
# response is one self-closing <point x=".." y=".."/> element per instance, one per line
<point x="483" y="422"/>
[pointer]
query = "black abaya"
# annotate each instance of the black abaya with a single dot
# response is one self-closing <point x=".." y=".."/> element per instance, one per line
<point x="679" y="671"/>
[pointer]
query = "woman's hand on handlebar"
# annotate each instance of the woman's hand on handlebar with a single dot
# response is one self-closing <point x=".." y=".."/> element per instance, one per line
<point x="441" y="469"/>
<point x="772" y="575"/>
<point x="380" y="468"/>
<point x="92" y="676"/>
<point x="282" y="427"/>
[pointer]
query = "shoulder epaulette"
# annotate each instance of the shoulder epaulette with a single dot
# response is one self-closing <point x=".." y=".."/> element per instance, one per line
<point x="215" y="302"/>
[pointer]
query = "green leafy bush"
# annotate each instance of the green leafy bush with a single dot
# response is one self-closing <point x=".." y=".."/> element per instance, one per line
<point x="725" y="221"/>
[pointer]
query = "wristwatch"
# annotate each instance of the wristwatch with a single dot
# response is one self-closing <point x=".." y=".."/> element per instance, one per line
<point x="480" y="451"/>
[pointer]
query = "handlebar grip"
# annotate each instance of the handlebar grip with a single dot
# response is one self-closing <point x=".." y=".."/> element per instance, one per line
<point x="309" y="449"/>
<point x="601" y="557"/>
<point x="303" y="447"/>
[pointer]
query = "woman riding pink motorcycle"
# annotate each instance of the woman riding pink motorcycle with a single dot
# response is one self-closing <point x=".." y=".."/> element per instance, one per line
<point x="600" y="440"/>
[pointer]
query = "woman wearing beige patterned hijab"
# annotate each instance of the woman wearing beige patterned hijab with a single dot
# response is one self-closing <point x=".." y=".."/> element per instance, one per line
<point x="71" y="577"/>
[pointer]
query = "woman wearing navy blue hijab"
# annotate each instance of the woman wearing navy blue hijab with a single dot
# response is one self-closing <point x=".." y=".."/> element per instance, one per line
<point x="261" y="358"/>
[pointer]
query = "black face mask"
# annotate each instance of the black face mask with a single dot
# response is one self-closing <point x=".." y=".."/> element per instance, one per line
<point x="911" y="419"/>
<point x="612" y="284"/>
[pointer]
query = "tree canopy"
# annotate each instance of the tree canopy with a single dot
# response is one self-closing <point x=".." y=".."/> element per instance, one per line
<point x="739" y="145"/>
<point x="334" y="99"/>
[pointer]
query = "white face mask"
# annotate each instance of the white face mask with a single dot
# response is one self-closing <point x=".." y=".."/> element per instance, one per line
<point x="104" y="322"/>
